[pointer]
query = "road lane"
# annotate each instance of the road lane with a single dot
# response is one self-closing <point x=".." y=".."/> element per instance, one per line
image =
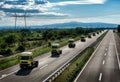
<point x="103" y="66"/>
<point x="49" y="64"/>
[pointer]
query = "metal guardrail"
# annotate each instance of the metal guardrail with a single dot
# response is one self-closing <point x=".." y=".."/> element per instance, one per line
<point x="56" y="73"/>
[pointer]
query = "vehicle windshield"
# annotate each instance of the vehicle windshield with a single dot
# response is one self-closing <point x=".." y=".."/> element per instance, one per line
<point x="24" y="58"/>
<point x="54" y="46"/>
<point x="70" y="41"/>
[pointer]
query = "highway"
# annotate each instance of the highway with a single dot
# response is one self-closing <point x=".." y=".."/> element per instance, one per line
<point x="47" y="65"/>
<point x="104" y="65"/>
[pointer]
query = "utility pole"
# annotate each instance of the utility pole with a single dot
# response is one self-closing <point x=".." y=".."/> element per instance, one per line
<point x="15" y="20"/>
<point x="25" y="20"/>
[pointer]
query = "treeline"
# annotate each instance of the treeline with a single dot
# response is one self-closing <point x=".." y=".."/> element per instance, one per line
<point x="20" y="40"/>
<point x="53" y="34"/>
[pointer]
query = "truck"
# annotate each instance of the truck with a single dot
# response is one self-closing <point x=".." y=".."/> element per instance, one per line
<point x="71" y="43"/>
<point x="89" y="36"/>
<point x="94" y="34"/>
<point x="26" y="61"/>
<point x="83" y="38"/>
<point x="97" y="32"/>
<point x="55" y="50"/>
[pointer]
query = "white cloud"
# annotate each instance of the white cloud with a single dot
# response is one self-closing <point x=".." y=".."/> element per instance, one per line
<point x="70" y="2"/>
<point x="54" y="13"/>
<point x="98" y="1"/>
<point x="48" y="5"/>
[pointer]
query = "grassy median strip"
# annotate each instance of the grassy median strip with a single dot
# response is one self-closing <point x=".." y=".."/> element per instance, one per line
<point x="102" y="36"/>
<point x="71" y="71"/>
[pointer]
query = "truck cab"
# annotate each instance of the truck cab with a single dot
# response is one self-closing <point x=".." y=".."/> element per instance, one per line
<point x="83" y="38"/>
<point x="89" y="36"/>
<point x="55" y="50"/>
<point x="97" y="32"/>
<point x="71" y="43"/>
<point x="94" y="34"/>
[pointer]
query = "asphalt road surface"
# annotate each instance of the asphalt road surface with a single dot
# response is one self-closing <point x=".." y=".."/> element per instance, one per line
<point x="103" y="65"/>
<point x="47" y="65"/>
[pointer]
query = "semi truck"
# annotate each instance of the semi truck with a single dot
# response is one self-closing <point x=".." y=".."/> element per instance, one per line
<point x="26" y="60"/>
<point x="55" y="50"/>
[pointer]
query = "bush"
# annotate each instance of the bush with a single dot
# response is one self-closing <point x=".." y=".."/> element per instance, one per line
<point x="9" y="52"/>
<point x="118" y="28"/>
<point x="20" y="49"/>
<point x="2" y="51"/>
<point x="6" y="52"/>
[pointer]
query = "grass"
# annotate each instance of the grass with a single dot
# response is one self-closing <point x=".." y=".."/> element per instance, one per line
<point x="102" y="36"/>
<point x="8" y="62"/>
<point x="41" y="51"/>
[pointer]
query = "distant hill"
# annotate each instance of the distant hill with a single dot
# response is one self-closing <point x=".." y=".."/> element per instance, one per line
<point x="77" y="24"/>
<point x="67" y="25"/>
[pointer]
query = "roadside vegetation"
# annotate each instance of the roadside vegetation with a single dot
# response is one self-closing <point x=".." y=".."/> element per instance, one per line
<point x="14" y="41"/>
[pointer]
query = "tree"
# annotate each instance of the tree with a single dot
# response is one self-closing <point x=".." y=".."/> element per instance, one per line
<point x="10" y="39"/>
<point x="118" y="28"/>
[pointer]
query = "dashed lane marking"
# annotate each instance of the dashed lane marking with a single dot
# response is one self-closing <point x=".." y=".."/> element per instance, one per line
<point x="44" y="66"/>
<point x="103" y="62"/>
<point x="100" y="77"/>
<point x="5" y="75"/>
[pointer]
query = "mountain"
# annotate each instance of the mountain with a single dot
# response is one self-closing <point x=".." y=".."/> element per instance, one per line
<point x="66" y="25"/>
<point x="77" y="24"/>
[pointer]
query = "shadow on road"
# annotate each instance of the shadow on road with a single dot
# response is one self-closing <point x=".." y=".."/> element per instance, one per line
<point x="23" y="72"/>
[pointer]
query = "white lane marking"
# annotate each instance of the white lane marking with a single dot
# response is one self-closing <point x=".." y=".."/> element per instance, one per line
<point x="5" y="75"/>
<point x="105" y="54"/>
<point x="44" y="66"/>
<point x="42" y="62"/>
<point x="100" y="77"/>
<point x="103" y="62"/>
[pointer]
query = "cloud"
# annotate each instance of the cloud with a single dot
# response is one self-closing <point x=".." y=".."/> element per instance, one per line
<point x="40" y="15"/>
<point x="43" y="9"/>
<point x="42" y="5"/>
<point x="74" y="2"/>
<point x="98" y="1"/>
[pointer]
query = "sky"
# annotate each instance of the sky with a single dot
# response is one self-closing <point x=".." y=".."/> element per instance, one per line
<point x="41" y="12"/>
